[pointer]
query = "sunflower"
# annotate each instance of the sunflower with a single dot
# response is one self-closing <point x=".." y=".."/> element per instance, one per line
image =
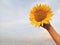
<point x="40" y="14"/>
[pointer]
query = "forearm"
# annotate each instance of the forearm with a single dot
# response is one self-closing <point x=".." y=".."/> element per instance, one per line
<point x="54" y="34"/>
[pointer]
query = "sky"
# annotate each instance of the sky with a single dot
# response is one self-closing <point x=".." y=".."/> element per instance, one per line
<point x="15" y="23"/>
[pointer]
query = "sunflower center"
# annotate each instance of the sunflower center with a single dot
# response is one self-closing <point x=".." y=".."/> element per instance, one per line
<point x="40" y="15"/>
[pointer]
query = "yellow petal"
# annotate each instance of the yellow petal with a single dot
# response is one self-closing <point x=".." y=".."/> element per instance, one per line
<point x="40" y="14"/>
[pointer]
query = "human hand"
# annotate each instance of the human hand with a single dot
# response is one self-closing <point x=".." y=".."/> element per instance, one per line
<point x="46" y="26"/>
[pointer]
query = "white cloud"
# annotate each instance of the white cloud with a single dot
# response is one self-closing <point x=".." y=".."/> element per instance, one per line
<point x="58" y="11"/>
<point x="14" y="14"/>
<point x="42" y="39"/>
<point x="14" y="23"/>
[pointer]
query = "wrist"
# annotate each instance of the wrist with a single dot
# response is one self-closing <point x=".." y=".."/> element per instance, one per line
<point x="47" y="26"/>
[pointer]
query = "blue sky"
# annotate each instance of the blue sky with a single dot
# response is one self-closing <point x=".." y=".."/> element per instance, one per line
<point x="14" y="19"/>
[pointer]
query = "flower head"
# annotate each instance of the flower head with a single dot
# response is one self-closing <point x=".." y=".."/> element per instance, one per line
<point x="40" y="14"/>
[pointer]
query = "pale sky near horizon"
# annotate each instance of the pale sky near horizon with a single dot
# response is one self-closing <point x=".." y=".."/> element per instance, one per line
<point x="14" y="19"/>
